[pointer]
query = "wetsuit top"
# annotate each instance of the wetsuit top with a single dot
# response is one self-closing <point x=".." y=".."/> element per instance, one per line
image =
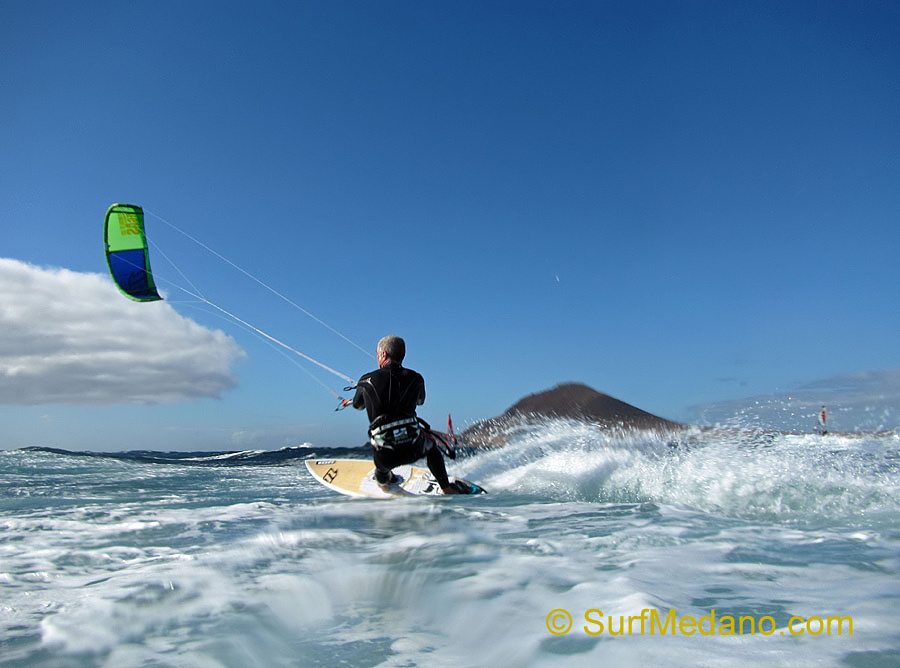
<point x="391" y="393"/>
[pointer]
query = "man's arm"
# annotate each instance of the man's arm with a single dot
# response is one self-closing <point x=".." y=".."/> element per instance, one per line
<point x="421" y="398"/>
<point x="359" y="401"/>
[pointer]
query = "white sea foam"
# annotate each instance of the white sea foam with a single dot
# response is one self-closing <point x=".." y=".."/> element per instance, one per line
<point x="261" y="566"/>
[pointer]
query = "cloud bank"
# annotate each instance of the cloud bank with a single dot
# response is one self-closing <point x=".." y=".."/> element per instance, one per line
<point x="866" y="401"/>
<point x="71" y="338"/>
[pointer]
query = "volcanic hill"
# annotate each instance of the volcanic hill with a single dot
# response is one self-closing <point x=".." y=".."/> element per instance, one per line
<point x="569" y="401"/>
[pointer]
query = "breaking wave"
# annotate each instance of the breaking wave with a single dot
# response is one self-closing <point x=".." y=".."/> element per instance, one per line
<point x="738" y="473"/>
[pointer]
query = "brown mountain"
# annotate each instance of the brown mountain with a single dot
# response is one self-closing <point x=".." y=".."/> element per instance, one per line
<point x="568" y="400"/>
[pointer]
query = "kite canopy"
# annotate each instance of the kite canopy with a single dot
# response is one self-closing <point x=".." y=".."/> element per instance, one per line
<point x="126" y="252"/>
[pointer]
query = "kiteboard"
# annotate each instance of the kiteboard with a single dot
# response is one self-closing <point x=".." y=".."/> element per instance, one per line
<point x="355" y="477"/>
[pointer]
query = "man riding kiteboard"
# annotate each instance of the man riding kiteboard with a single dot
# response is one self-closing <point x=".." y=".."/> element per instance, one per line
<point x="390" y="395"/>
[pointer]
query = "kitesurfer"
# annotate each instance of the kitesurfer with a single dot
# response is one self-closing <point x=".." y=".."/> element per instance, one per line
<point x="390" y="396"/>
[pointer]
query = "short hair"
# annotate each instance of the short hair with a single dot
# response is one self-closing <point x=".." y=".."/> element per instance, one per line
<point x="394" y="347"/>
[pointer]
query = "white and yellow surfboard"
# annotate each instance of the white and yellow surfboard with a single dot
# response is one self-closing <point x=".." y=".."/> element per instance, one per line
<point x="355" y="477"/>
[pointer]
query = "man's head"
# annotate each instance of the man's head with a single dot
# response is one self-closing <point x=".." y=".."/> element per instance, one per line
<point x="390" y="349"/>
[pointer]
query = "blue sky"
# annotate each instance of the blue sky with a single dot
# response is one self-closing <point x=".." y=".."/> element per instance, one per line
<point x="678" y="204"/>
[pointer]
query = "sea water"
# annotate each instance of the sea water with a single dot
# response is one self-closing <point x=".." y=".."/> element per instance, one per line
<point x="591" y="548"/>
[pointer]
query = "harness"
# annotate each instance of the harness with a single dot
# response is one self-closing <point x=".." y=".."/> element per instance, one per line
<point x="407" y="431"/>
<point x="390" y="434"/>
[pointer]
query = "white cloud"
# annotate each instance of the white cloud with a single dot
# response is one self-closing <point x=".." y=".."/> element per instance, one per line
<point x="862" y="386"/>
<point x="860" y="401"/>
<point x="71" y="338"/>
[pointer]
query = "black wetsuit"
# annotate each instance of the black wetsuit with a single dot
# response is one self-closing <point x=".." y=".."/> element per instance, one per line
<point x="389" y="395"/>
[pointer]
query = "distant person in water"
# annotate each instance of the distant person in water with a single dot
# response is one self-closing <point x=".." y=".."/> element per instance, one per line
<point x="390" y="396"/>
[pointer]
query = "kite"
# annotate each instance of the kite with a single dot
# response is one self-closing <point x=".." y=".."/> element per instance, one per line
<point x="126" y="252"/>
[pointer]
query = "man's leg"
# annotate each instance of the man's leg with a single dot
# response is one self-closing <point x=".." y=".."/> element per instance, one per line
<point x="385" y="459"/>
<point x="436" y="463"/>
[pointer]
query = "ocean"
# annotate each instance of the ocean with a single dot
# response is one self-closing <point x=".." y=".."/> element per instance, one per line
<point x="703" y="548"/>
